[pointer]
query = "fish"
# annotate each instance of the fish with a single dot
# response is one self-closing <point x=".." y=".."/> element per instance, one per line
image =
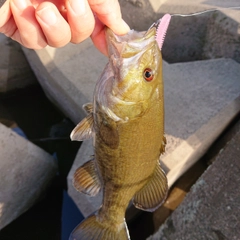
<point x="126" y="123"/>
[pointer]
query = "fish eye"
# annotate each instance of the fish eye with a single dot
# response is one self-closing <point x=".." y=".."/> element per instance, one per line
<point x="148" y="74"/>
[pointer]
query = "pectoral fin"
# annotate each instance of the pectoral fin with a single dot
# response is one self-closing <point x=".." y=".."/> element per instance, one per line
<point x="86" y="179"/>
<point x="152" y="195"/>
<point x="83" y="130"/>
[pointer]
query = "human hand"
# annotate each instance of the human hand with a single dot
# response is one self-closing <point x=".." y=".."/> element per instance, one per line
<point x="38" y="23"/>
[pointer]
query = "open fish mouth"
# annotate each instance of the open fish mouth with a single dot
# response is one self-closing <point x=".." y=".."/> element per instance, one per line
<point x="133" y="43"/>
<point x="130" y="44"/>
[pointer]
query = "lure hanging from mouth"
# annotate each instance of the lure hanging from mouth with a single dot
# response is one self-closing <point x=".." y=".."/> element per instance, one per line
<point x="126" y="122"/>
<point x="162" y="30"/>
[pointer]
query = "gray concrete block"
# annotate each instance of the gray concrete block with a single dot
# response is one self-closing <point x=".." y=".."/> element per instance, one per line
<point x="201" y="99"/>
<point x="15" y="71"/>
<point x="211" y="209"/>
<point x="25" y="170"/>
<point x="223" y="30"/>
<point x="197" y="91"/>
<point x="68" y="75"/>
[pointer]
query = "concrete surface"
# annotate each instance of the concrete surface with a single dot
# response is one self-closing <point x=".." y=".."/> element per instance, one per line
<point x="68" y="75"/>
<point x="25" y="172"/>
<point x="14" y="69"/>
<point x="201" y="97"/>
<point x="223" y="30"/>
<point x="211" y="209"/>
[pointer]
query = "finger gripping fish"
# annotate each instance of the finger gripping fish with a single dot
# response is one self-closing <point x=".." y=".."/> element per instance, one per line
<point x="126" y="122"/>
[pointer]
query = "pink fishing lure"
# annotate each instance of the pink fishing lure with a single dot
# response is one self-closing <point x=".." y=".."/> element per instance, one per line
<point x="162" y="29"/>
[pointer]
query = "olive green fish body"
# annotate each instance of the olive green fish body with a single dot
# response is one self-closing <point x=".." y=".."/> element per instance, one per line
<point x="130" y="166"/>
<point x="126" y="122"/>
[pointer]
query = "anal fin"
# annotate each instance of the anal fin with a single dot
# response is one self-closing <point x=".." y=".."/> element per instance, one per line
<point x="153" y="194"/>
<point x="86" y="179"/>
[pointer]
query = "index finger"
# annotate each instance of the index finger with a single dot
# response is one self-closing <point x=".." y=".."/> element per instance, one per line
<point x="109" y="13"/>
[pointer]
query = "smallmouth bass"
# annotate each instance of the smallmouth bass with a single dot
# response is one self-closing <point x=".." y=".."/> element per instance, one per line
<point x="126" y="121"/>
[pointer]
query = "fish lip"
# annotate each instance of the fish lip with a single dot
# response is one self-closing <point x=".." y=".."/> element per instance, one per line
<point x="137" y="42"/>
<point x="154" y="25"/>
<point x="131" y="35"/>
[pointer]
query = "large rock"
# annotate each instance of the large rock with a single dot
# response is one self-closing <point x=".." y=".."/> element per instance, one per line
<point x="15" y="71"/>
<point x="25" y="172"/>
<point x="211" y="209"/>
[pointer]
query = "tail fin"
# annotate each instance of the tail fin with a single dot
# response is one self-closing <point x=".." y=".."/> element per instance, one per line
<point x="92" y="229"/>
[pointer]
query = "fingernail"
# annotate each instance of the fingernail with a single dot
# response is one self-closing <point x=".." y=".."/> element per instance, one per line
<point x="122" y="28"/>
<point x="47" y="15"/>
<point x="125" y="27"/>
<point x="20" y="4"/>
<point x="78" y="6"/>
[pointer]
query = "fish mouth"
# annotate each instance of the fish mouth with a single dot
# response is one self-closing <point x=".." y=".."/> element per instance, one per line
<point x="154" y="25"/>
<point x="134" y="42"/>
<point x="130" y="44"/>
